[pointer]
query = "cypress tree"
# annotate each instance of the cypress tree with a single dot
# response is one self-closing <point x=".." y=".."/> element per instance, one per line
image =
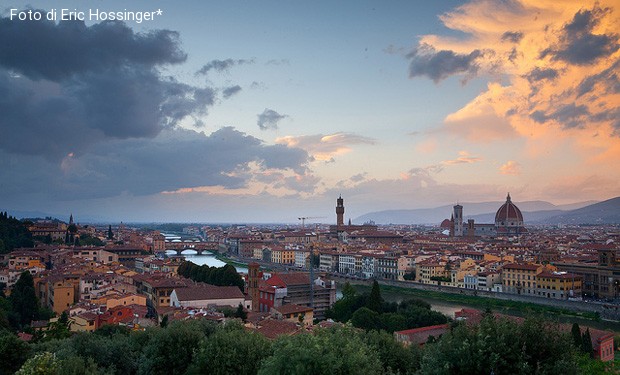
<point x="586" y="345"/>
<point x="375" y="302"/>
<point x="576" y="333"/>
<point x="24" y="300"/>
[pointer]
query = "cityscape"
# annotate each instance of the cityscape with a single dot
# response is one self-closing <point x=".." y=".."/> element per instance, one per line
<point x="309" y="188"/>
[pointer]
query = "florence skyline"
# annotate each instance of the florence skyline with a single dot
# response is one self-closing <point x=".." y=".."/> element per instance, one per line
<point x="266" y="112"/>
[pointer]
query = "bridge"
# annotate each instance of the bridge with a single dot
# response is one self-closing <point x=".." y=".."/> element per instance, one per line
<point x="198" y="247"/>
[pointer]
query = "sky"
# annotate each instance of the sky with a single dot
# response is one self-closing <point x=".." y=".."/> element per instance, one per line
<point x="234" y="111"/>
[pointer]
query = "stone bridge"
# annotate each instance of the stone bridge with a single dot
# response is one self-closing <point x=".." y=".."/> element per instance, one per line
<point x="198" y="247"/>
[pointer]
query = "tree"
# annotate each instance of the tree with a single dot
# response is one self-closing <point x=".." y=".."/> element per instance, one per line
<point x="13" y="352"/>
<point x="392" y="322"/>
<point x="164" y="322"/>
<point x="502" y="346"/>
<point x="171" y="350"/>
<point x="24" y="300"/>
<point x="231" y="350"/>
<point x="326" y="351"/>
<point x="44" y="363"/>
<point x="366" y="318"/>
<point x="576" y="333"/>
<point x="395" y="358"/>
<point x="110" y="233"/>
<point x="348" y="291"/>
<point x="241" y="313"/>
<point x="375" y="301"/>
<point x="586" y="343"/>
<point x="59" y="329"/>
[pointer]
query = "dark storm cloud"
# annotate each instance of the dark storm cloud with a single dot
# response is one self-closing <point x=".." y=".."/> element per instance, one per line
<point x="538" y="74"/>
<point x="230" y="91"/>
<point x="65" y="87"/>
<point x="269" y="119"/>
<point x="222" y="65"/>
<point x="58" y="51"/>
<point x="579" y="45"/>
<point x="608" y="79"/>
<point x="175" y="159"/>
<point x="512" y="36"/>
<point x="437" y="65"/>
<point x="570" y="116"/>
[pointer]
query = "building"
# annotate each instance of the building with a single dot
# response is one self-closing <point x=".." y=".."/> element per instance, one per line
<point x="601" y="277"/>
<point x="204" y="296"/>
<point x="558" y="285"/>
<point x="509" y="219"/>
<point x="458" y="220"/>
<point x="340" y="211"/>
<point x="296" y="288"/>
<point x="419" y="336"/>
<point x="520" y="278"/>
<point x="508" y="222"/>
<point x="294" y="313"/>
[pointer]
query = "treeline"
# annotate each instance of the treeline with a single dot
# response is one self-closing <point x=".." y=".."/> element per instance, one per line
<point x="22" y="307"/>
<point x="13" y="233"/>
<point x="221" y="276"/>
<point x="203" y="347"/>
<point x="370" y="312"/>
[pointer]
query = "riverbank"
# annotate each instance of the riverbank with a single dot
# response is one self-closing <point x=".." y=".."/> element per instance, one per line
<point x="230" y="261"/>
<point x="506" y="307"/>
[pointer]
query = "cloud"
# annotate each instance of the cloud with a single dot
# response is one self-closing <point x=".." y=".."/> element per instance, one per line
<point x="269" y="119"/>
<point x="278" y="62"/>
<point x="464" y="158"/>
<point x="222" y="65"/>
<point x="358" y="177"/>
<point x="510" y="168"/>
<point x="230" y="91"/>
<point x="512" y="36"/>
<point x="438" y="65"/>
<point x="175" y="159"/>
<point x="569" y="115"/>
<point x="326" y="147"/>
<point x="65" y="87"/>
<point x="578" y="44"/>
<point x="538" y="74"/>
<point x="58" y="51"/>
<point x="552" y="69"/>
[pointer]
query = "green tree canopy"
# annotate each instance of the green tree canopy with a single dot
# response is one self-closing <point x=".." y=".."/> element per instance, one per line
<point x="231" y="350"/>
<point x="336" y="351"/>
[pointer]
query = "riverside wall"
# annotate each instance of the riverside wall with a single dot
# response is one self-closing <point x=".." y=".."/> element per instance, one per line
<point x="606" y="310"/>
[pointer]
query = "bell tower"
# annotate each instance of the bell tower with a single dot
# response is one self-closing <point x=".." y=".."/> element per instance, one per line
<point x="340" y="211"/>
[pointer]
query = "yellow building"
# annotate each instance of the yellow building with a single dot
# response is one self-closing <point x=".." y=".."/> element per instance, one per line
<point x="559" y="285"/>
<point x="61" y="296"/>
<point x="427" y="272"/>
<point x="521" y="278"/>
<point x="85" y="322"/>
<point x="295" y="313"/>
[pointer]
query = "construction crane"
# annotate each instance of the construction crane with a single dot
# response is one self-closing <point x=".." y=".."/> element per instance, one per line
<point x="304" y="218"/>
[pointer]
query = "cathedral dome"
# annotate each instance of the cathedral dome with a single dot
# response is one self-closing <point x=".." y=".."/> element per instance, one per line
<point x="508" y="215"/>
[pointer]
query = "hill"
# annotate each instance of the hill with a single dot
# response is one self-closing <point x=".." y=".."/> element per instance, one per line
<point x="606" y="212"/>
<point x="534" y="212"/>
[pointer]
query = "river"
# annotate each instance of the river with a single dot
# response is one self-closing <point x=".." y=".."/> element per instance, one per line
<point x="205" y="258"/>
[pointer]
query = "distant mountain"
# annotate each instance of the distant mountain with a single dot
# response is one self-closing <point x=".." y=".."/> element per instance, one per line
<point x="533" y="212"/>
<point x="606" y="212"/>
